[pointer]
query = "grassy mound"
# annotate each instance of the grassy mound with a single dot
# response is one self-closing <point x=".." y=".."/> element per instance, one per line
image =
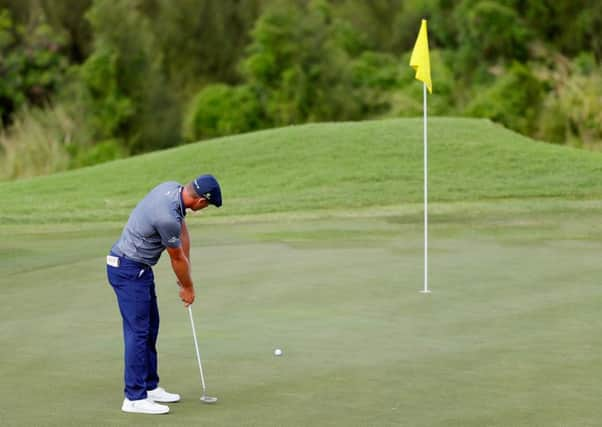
<point x="321" y="166"/>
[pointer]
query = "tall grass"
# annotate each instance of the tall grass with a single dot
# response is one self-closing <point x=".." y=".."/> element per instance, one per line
<point x="36" y="143"/>
<point x="572" y="110"/>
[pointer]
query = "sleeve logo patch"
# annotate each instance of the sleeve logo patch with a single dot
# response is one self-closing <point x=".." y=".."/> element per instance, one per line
<point x="173" y="239"/>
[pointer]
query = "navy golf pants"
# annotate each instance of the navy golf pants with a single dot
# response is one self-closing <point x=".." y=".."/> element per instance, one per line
<point x="134" y="285"/>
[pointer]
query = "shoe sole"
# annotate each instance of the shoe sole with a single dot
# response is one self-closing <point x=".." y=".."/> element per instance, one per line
<point x="144" y="412"/>
<point x="134" y="411"/>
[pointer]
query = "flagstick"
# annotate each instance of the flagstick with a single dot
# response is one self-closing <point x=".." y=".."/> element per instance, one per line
<point x="426" y="287"/>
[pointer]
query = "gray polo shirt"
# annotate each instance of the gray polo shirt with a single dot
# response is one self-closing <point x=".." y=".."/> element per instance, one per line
<point x="153" y="225"/>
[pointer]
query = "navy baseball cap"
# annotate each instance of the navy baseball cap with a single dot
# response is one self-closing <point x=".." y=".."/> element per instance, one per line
<point x="207" y="186"/>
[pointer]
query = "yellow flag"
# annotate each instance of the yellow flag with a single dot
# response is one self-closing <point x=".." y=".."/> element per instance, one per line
<point x="420" y="59"/>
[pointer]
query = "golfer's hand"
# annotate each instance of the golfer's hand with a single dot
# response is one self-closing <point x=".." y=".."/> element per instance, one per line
<point x="187" y="295"/>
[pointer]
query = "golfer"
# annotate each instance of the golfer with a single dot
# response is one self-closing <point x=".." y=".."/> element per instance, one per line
<point x="157" y="223"/>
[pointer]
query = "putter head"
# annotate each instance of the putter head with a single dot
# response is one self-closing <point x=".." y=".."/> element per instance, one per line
<point x="208" y="399"/>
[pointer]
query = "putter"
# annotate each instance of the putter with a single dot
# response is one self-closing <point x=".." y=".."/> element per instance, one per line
<point x="204" y="397"/>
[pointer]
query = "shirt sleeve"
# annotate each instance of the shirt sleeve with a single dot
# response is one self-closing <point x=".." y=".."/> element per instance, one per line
<point x="170" y="233"/>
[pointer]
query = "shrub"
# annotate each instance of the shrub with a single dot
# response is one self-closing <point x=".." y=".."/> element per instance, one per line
<point x="297" y="66"/>
<point x="87" y="155"/>
<point x="494" y="30"/>
<point x="393" y="84"/>
<point x="108" y="108"/>
<point x="375" y="70"/>
<point x="374" y="76"/>
<point x="489" y="32"/>
<point x="223" y="110"/>
<point x="513" y="100"/>
<point x="573" y="109"/>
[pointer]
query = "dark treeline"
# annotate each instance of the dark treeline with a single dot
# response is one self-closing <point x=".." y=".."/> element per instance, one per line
<point x="85" y="81"/>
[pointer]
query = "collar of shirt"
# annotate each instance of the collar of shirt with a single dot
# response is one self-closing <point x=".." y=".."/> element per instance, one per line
<point x="182" y="208"/>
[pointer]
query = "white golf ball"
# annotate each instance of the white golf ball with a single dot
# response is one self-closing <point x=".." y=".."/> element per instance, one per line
<point x="278" y="352"/>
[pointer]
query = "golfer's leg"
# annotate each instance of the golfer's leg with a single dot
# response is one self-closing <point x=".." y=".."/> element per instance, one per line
<point x="134" y="305"/>
<point x="152" y="380"/>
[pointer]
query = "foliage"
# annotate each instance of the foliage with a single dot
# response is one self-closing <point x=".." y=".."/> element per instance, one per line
<point x="374" y="76"/>
<point x="589" y="30"/>
<point x="31" y="65"/>
<point x="569" y="26"/>
<point x="109" y="108"/>
<point x="573" y="108"/>
<point x="513" y="100"/>
<point x="297" y="67"/>
<point x="104" y="151"/>
<point x="223" y="110"/>
<point x="488" y="33"/>
<point x="68" y="19"/>
<point x="444" y="84"/>
<point x="139" y="75"/>
<point x="489" y="30"/>
<point x="375" y="70"/>
<point x="125" y="55"/>
<point x="386" y="86"/>
<point x="216" y="33"/>
<point x="388" y="26"/>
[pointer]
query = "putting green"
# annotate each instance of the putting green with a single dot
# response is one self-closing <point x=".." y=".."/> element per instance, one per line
<point x="509" y="336"/>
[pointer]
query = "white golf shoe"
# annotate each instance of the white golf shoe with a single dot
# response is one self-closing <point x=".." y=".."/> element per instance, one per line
<point x="144" y="406"/>
<point x="160" y="395"/>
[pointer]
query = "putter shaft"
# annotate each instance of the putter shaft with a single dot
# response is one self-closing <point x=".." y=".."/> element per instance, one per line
<point x="196" y="347"/>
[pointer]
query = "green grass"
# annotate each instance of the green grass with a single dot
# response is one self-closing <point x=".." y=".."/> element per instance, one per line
<point x="509" y="336"/>
<point x="322" y="166"/>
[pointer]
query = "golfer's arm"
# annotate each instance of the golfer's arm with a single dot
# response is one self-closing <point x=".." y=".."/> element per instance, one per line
<point x="180" y="266"/>
<point x="185" y="239"/>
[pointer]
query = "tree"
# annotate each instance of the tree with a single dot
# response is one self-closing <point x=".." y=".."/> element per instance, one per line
<point x="32" y="65"/>
<point x="124" y="38"/>
<point x="201" y="41"/>
<point x="297" y="67"/>
<point x="68" y="17"/>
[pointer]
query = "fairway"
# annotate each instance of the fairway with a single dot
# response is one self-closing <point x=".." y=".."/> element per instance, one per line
<point x="318" y="250"/>
<point x="309" y="213"/>
<point x="509" y="335"/>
